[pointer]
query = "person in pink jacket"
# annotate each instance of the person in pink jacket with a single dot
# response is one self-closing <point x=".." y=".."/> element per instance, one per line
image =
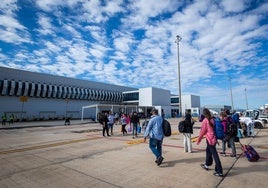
<point x="207" y="130"/>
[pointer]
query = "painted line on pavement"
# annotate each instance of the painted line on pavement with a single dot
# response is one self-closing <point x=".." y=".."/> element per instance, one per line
<point x="46" y="145"/>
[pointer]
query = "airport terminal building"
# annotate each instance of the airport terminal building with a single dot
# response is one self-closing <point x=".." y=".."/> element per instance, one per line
<point x="37" y="96"/>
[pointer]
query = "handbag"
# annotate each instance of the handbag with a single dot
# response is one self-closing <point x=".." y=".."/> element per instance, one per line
<point x="139" y="129"/>
<point x="129" y="129"/>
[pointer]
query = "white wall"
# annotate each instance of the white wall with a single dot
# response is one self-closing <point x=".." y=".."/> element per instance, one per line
<point x="154" y="97"/>
<point x="190" y="102"/>
<point x="145" y="97"/>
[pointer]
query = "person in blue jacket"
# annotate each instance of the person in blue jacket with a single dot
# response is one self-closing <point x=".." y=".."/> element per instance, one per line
<point x="155" y="131"/>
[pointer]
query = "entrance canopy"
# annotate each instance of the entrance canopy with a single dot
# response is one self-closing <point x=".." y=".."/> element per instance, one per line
<point x="115" y="107"/>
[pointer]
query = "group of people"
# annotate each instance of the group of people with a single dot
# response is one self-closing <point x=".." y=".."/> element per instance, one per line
<point x="107" y="120"/>
<point x="10" y="120"/>
<point x="230" y="124"/>
<point x="154" y="131"/>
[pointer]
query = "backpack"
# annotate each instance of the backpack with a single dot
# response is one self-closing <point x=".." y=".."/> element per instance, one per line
<point x="166" y="128"/>
<point x="144" y="124"/>
<point x="182" y="127"/>
<point x="235" y="118"/>
<point x="218" y="128"/>
<point x="231" y="127"/>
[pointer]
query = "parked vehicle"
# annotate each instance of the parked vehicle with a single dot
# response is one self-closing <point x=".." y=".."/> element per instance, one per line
<point x="254" y="115"/>
<point x="264" y="114"/>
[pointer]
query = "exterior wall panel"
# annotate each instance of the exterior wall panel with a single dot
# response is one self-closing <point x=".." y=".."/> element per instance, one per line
<point x="12" y="89"/>
<point x="32" y="91"/>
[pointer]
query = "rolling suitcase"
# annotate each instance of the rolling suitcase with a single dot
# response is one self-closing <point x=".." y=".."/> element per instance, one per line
<point x="250" y="153"/>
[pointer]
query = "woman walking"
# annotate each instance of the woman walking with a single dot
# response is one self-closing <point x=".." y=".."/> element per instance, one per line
<point x="207" y="130"/>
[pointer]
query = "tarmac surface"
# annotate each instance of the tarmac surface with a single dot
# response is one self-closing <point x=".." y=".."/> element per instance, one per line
<point x="49" y="154"/>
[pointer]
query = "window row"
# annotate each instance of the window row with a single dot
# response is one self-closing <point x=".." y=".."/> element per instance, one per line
<point x="14" y="88"/>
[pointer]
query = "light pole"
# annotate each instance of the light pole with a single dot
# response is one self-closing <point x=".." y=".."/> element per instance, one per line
<point x="179" y="72"/>
<point x="246" y="98"/>
<point x="231" y="93"/>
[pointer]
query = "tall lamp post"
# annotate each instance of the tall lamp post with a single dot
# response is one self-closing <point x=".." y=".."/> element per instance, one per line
<point x="246" y="98"/>
<point x="179" y="72"/>
<point x="231" y="92"/>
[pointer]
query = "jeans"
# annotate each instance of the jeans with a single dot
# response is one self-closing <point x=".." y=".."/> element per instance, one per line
<point x="105" y="128"/>
<point x="231" y="143"/>
<point x="212" y="152"/>
<point x="134" y="130"/>
<point x="111" y="127"/>
<point x="156" y="147"/>
<point x="187" y="142"/>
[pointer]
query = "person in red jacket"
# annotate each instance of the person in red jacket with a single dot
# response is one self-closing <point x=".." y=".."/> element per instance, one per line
<point x="207" y="130"/>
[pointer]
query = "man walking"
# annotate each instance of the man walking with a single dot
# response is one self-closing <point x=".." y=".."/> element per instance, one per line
<point x="135" y="121"/>
<point x="155" y="131"/>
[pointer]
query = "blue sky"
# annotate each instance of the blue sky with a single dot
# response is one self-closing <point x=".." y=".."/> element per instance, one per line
<point x="132" y="43"/>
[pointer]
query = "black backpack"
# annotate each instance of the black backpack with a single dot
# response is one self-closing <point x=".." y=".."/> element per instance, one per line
<point x="166" y="128"/>
<point x="182" y="127"/>
<point x="231" y="127"/>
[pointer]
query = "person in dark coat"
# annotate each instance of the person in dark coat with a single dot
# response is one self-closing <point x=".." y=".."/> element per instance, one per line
<point x="103" y="120"/>
<point x="187" y="140"/>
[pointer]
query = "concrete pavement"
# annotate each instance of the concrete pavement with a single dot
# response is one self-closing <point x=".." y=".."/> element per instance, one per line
<point x="48" y="154"/>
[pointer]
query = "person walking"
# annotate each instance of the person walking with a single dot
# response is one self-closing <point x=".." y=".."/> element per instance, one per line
<point x="11" y="119"/>
<point x="228" y="138"/>
<point x="187" y="142"/>
<point x="111" y="121"/>
<point x="155" y="131"/>
<point x="231" y="132"/>
<point x="124" y="124"/>
<point x="207" y="130"/>
<point x="135" y="121"/>
<point x="103" y="120"/>
<point x="4" y="119"/>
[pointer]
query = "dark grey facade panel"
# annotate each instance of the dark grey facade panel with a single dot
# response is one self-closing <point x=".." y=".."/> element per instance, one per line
<point x="90" y="94"/>
<point x="54" y="91"/>
<point x="26" y="89"/>
<point x="19" y="91"/>
<point x="59" y="93"/>
<point x="64" y="92"/>
<point x="5" y="86"/>
<point x="85" y="94"/>
<point x="93" y="95"/>
<point x="73" y="93"/>
<point x="82" y="95"/>
<point x="38" y="92"/>
<point x="44" y="90"/>
<point x="12" y="89"/>
<point x="78" y="90"/>
<point x="49" y="92"/>
<point x="69" y="93"/>
<point x="32" y="91"/>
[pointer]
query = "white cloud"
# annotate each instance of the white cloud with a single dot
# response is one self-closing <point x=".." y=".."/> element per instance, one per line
<point x="11" y="31"/>
<point x="46" y="27"/>
<point x="233" y="6"/>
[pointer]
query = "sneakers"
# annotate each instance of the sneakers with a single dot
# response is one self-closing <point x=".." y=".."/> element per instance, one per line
<point x="159" y="160"/>
<point x="204" y="166"/>
<point x="223" y="154"/>
<point x="218" y="174"/>
<point x="233" y="155"/>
